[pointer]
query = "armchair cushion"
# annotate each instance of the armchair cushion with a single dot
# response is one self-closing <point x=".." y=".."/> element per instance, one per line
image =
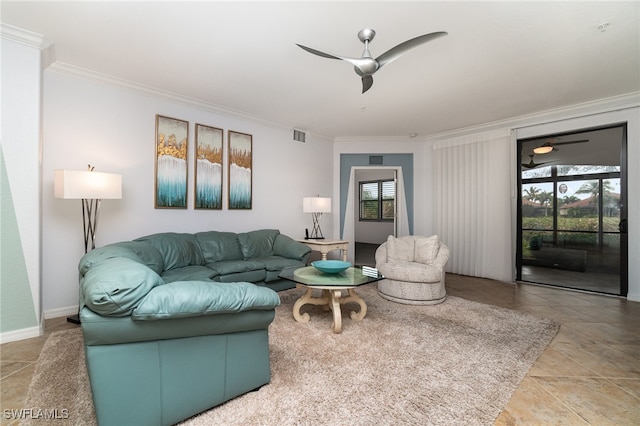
<point x="115" y="286"/>
<point x="183" y="299"/>
<point x="426" y="249"/>
<point x="400" y="249"/>
<point x="411" y="272"/>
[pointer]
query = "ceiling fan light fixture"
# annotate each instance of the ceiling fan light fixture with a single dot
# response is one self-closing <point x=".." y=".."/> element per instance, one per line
<point x="543" y="149"/>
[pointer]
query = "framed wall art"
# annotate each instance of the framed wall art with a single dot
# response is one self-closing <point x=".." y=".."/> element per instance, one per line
<point x="240" y="170"/>
<point x="208" y="186"/>
<point x="172" y="137"/>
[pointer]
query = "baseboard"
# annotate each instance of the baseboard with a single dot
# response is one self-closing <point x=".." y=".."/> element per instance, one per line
<point x="633" y="297"/>
<point x="61" y="312"/>
<point x="24" y="333"/>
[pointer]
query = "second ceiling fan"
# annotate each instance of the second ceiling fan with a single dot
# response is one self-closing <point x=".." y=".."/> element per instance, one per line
<point x="550" y="145"/>
<point x="366" y="65"/>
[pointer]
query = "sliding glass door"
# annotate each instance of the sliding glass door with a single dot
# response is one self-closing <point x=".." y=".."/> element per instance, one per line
<point x="572" y="212"/>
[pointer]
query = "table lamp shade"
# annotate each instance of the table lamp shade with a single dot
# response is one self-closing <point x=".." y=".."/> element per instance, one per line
<point x="316" y="205"/>
<point x="74" y="184"/>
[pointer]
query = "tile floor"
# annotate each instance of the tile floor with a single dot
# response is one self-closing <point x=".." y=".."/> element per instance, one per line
<point x="589" y="374"/>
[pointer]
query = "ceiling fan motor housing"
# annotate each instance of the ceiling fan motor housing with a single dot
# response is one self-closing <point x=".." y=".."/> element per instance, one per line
<point x="366" y="35"/>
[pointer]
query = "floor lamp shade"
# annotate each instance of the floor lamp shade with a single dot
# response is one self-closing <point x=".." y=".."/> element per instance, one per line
<point x="78" y="185"/>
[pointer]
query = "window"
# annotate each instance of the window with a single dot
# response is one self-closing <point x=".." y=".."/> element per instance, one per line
<point x="377" y="200"/>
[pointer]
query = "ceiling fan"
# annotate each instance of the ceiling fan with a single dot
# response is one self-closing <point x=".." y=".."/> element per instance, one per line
<point x="550" y="145"/>
<point x="532" y="165"/>
<point x="366" y="66"/>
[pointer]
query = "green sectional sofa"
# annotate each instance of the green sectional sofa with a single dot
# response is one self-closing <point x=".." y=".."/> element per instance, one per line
<point x="176" y="323"/>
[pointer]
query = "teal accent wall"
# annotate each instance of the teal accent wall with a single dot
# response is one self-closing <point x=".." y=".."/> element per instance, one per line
<point x="17" y="310"/>
<point x="404" y="161"/>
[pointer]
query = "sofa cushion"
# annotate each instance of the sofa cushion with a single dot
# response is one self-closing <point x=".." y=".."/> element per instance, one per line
<point x="185" y="299"/>
<point x="400" y="249"/>
<point x="248" y="276"/>
<point x="114" y="286"/>
<point x="275" y="264"/>
<point x="426" y="249"/>
<point x="217" y="246"/>
<point x="233" y="266"/>
<point x="100" y="254"/>
<point x="188" y="273"/>
<point x="286" y="246"/>
<point x="148" y="253"/>
<point x="257" y="243"/>
<point x="178" y="250"/>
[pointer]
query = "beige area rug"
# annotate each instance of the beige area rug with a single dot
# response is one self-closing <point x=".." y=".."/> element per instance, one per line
<point x="458" y="362"/>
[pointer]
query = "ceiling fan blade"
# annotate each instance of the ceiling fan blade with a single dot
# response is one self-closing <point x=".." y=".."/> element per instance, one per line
<point x="354" y="61"/>
<point x="317" y="52"/>
<point x="367" y="82"/>
<point x="532" y="165"/>
<point x="397" y="51"/>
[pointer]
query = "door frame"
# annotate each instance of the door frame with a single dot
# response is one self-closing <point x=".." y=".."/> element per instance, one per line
<point x="624" y="249"/>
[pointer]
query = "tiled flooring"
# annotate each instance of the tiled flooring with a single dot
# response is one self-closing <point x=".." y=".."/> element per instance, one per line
<point x="17" y="365"/>
<point x="589" y="374"/>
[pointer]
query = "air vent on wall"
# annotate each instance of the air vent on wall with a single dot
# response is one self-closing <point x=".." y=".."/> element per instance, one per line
<point x="375" y="160"/>
<point x="299" y="136"/>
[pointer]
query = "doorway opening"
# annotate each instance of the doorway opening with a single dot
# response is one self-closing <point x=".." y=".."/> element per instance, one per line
<point x="375" y="212"/>
<point x="572" y="210"/>
<point x="350" y="164"/>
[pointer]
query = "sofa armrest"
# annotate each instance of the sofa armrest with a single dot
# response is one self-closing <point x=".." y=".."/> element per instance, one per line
<point x="286" y="246"/>
<point x="184" y="299"/>
<point x="114" y="286"/>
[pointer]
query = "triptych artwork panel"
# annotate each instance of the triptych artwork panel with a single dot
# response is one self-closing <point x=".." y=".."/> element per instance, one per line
<point x="171" y="166"/>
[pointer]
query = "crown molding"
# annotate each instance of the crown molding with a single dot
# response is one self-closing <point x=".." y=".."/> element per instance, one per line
<point x="621" y="102"/>
<point x="97" y="77"/>
<point x="19" y="35"/>
<point x="614" y="103"/>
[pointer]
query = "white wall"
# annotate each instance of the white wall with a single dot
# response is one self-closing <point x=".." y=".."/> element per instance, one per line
<point x="20" y="135"/>
<point x="113" y="128"/>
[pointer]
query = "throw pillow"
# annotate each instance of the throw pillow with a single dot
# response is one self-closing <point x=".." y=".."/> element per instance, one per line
<point x="400" y="249"/>
<point x="426" y="249"/>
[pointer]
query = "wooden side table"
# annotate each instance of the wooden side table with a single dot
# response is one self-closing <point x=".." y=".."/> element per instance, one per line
<point x="325" y="246"/>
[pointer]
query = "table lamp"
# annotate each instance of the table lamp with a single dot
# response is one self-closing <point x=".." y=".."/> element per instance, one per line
<point x="316" y="206"/>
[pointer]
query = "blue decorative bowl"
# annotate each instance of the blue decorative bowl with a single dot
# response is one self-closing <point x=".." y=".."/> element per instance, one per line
<point x="330" y="266"/>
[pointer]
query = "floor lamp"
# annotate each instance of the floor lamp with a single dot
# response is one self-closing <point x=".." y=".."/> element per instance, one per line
<point x="91" y="188"/>
<point x="316" y="206"/>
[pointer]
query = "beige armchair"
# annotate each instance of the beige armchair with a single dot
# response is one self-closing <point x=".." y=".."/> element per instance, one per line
<point x="413" y="267"/>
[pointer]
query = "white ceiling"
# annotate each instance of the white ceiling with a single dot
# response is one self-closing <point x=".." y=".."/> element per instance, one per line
<point x="500" y="60"/>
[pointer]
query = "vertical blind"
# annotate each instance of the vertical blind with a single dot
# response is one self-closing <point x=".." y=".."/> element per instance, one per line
<point x="473" y="185"/>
